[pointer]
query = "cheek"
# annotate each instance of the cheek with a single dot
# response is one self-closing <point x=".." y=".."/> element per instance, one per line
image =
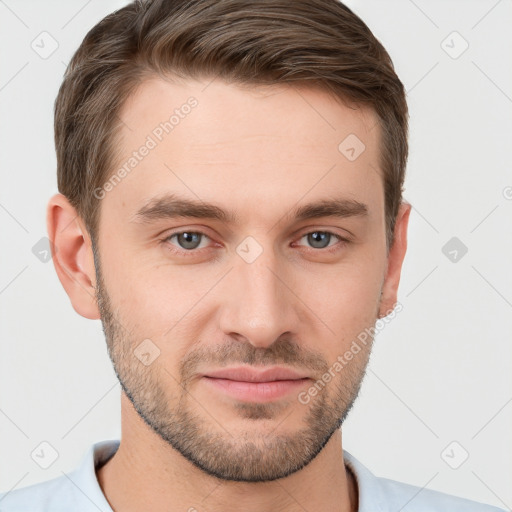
<point x="161" y="303"/>
<point x="161" y="300"/>
<point x="346" y="301"/>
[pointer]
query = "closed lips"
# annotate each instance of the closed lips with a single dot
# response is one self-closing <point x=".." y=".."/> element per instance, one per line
<point x="250" y="374"/>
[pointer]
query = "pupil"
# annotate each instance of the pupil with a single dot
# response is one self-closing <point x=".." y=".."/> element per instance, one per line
<point x="317" y="237"/>
<point x="189" y="240"/>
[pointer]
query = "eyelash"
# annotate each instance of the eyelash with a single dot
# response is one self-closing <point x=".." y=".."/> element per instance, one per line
<point x="193" y="252"/>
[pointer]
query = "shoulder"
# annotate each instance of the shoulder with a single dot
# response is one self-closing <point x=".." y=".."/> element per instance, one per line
<point x="57" y="494"/>
<point x="400" y="496"/>
<point x="77" y="491"/>
<point x="377" y="494"/>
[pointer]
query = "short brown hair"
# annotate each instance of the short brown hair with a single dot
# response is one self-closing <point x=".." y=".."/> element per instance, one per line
<point x="317" y="42"/>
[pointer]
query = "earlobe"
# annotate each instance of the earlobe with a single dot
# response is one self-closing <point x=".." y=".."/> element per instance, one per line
<point x="395" y="259"/>
<point x="72" y="255"/>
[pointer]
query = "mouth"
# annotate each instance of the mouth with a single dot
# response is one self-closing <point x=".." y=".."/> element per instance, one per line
<point x="255" y="385"/>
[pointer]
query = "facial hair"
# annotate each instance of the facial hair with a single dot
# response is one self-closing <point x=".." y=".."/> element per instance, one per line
<point x="167" y="404"/>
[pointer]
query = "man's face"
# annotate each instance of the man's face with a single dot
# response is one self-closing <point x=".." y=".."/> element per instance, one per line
<point x="182" y="297"/>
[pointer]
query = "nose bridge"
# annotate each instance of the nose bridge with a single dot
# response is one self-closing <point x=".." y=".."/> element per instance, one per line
<point x="260" y="306"/>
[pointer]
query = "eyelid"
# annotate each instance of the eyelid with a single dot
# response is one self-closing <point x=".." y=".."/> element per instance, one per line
<point x="339" y="237"/>
<point x="342" y="240"/>
<point x="177" y="250"/>
<point x="346" y="235"/>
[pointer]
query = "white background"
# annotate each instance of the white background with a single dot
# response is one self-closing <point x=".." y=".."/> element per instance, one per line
<point x="440" y="371"/>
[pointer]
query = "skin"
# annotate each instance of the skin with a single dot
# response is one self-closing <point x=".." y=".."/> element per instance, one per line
<point x="259" y="152"/>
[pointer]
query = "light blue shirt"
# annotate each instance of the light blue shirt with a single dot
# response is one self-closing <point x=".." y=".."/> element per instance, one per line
<point x="79" y="491"/>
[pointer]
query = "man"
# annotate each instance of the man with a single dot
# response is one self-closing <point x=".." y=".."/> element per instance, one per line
<point x="230" y="175"/>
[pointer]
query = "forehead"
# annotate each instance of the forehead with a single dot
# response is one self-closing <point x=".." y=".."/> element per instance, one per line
<point x="247" y="146"/>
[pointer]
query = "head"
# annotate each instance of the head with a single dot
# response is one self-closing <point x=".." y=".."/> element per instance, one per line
<point x="230" y="177"/>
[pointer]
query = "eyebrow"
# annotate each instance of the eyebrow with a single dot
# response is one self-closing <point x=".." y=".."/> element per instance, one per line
<point x="172" y="206"/>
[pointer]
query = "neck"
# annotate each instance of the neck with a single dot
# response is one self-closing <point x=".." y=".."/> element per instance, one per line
<point x="147" y="471"/>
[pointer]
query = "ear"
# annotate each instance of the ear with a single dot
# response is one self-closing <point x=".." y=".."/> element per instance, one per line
<point x="395" y="259"/>
<point x="72" y="255"/>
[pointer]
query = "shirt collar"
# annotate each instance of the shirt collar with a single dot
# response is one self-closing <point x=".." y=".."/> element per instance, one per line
<point x="369" y="491"/>
<point x="370" y="496"/>
<point x="84" y="477"/>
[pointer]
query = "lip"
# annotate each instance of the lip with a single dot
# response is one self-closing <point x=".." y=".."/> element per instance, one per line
<point x="255" y="385"/>
<point x="251" y="374"/>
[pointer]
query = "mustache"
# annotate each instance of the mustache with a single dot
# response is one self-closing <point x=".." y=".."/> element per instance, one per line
<point x="234" y="352"/>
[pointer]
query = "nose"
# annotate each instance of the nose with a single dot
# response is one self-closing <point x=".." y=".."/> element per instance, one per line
<point x="257" y="302"/>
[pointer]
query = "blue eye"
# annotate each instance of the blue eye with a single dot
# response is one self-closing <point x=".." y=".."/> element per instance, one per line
<point x="320" y="239"/>
<point x="187" y="240"/>
<point x="188" y="243"/>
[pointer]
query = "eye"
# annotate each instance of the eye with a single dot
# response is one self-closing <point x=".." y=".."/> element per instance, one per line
<point x="188" y="243"/>
<point x="323" y="239"/>
<point x="187" y="240"/>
